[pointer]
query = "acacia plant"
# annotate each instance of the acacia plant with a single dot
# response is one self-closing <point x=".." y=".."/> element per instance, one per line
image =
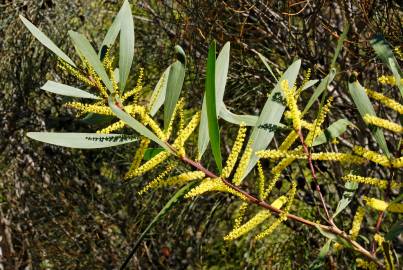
<point x="106" y="95"/>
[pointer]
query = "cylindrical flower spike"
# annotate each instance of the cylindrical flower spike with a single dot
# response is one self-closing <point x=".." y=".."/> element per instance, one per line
<point x="383" y="123"/>
<point x="380" y="183"/>
<point x="318" y="122"/>
<point x="243" y="163"/>
<point x="287" y="143"/>
<point x="358" y="217"/>
<point x="180" y="179"/>
<point x="185" y="133"/>
<point x="388" y="102"/>
<point x="240" y="215"/>
<point x="372" y="156"/>
<point x="383" y="206"/>
<point x="157" y="180"/>
<point x="255" y="221"/>
<point x="76" y="73"/>
<point x="292" y="104"/>
<point x="398" y="162"/>
<point x="87" y="108"/>
<point x="136" y="90"/>
<point x="138" y="156"/>
<point x="157" y="159"/>
<point x="113" y="127"/>
<point x="388" y="80"/>
<point x="236" y="149"/>
<point x="215" y="184"/>
<point x="262" y="180"/>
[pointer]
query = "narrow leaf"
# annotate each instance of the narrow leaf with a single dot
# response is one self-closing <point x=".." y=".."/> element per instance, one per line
<point x="340" y="44"/>
<point x="350" y="188"/>
<point x="248" y="120"/>
<point x="158" y="95"/>
<point x="151" y="152"/>
<point x="126" y="51"/>
<point x="396" y="72"/>
<point x="364" y="106"/>
<point x="214" y="132"/>
<point x="383" y="51"/>
<point x="174" y="87"/>
<point x="82" y="140"/>
<point x="42" y="38"/>
<point x="333" y="131"/>
<point x="264" y="60"/>
<point x="87" y="51"/>
<point x="134" y="124"/>
<point x="203" y="138"/>
<point x="271" y="114"/>
<point x="113" y="30"/>
<point x="324" y="84"/>
<point x="66" y="90"/>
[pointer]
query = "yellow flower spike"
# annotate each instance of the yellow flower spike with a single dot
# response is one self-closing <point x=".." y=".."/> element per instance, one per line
<point x="157" y="181"/>
<point x="304" y="124"/>
<point x="277" y="154"/>
<point x="389" y="262"/>
<point x="358" y="218"/>
<point x="113" y="127"/>
<point x="283" y="216"/>
<point x="388" y="102"/>
<point x="136" y="90"/>
<point x="287" y="143"/>
<point x="236" y="149"/>
<point x="87" y="108"/>
<point x="148" y="121"/>
<point x="240" y="214"/>
<point x="375" y="203"/>
<point x="304" y="82"/>
<point x="340" y="157"/>
<point x="262" y="180"/>
<point x="372" y="156"/>
<point x="178" y="107"/>
<point x="187" y="131"/>
<point x="181" y="178"/>
<point x="157" y="159"/>
<point x="107" y="62"/>
<point x="395" y="208"/>
<point x="138" y="156"/>
<point x="318" y="122"/>
<point x="398" y="53"/>
<point x="215" y="184"/>
<point x="383" y="123"/>
<point x="74" y="72"/>
<point x="380" y="183"/>
<point x="292" y="104"/>
<point x="96" y="79"/>
<point x="398" y="162"/>
<point x="243" y="163"/>
<point x="255" y="221"/>
<point x="388" y="80"/>
<point x="366" y="265"/>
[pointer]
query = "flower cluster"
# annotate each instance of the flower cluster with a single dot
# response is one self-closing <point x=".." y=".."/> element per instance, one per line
<point x="215" y="184"/>
<point x="383" y="123"/>
<point x="292" y="104"/>
<point x="236" y="149"/>
<point x="389" y="80"/>
<point x="380" y="183"/>
<point x="388" y="102"/>
<point x="382" y="205"/>
<point x="243" y="163"/>
<point x="372" y="156"/>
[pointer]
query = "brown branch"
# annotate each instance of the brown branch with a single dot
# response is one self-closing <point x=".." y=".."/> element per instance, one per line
<point x="314" y="177"/>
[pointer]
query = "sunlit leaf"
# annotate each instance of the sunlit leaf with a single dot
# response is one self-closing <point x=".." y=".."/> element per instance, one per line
<point x="149" y="153"/>
<point x="66" y="90"/>
<point x="214" y="132"/>
<point x="84" y="47"/>
<point x="158" y="95"/>
<point x="82" y="140"/>
<point x="126" y="45"/>
<point x="271" y="115"/>
<point x="42" y="38"/>
<point x="134" y="124"/>
<point x="174" y="87"/>
<point x="364" y="106"/>
<point x="333" y="131"/>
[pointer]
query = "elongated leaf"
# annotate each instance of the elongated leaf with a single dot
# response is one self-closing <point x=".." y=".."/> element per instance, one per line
<point x="364" y="106"/>
<point x="126" y="51"/>
<point x="264" y="60"/>
<point x="309" y="84"/>
<point x="333" y="131"/>
<point x="82" y="140"/>
<point x="174" y="87"/>
<point x="395" y="230"/>
<point x="384" y="51"/>
<point x="248" y="120"/>
<point x="203" y="138"/>
<point x="42" y="38"/>
<point x="340" y="44"/>
<point x="350" y="188"/>
<point x="114" y="29"/>
<point x="214" y="132"/>
<point x="151" y="152"/>
<point x="66" y="90"/>
<point x="172" y="201"/>
<point x="87" y="51"/>
<point x="136" y="125"/>
<point x="319" y="90"/>
<point x="158" y="96"/>
<point x="221" y="73"/>
<point x="97" y="119"/>
<point x="270" y="115"/>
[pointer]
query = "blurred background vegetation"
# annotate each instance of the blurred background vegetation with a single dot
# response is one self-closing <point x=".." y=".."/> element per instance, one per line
<point x="70" y="209"/>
